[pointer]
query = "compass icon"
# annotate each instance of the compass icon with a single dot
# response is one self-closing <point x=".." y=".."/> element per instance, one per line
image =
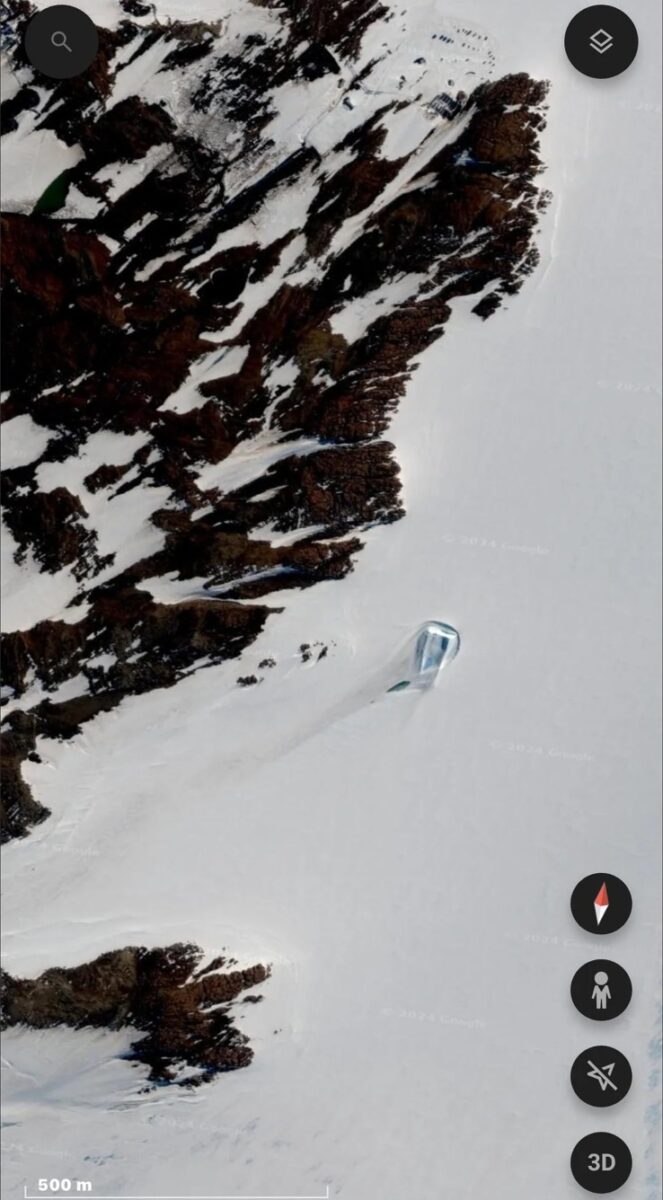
<point x="601" y="903"/>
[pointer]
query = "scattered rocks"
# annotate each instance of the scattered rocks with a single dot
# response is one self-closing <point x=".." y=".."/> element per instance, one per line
<point x="307" y="651"/>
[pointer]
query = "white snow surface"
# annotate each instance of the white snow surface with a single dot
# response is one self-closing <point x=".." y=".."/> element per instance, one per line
<point x="23" y="441"/>
<point x="38" y="161"/>
<point x="404" y="862"/>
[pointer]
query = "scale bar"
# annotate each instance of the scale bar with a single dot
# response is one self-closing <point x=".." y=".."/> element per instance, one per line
<point x="95" y="1196"/>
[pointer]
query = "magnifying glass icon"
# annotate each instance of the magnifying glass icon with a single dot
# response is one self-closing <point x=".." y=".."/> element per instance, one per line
<point x="59" y="40"/>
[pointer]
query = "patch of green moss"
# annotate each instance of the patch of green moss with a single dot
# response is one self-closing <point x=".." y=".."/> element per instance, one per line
<point x="55" y="195"/>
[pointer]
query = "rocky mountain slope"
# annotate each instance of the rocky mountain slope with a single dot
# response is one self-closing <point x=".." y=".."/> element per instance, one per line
<point x="261" y="222"/>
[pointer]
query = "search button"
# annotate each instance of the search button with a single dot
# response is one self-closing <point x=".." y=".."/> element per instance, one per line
<point x="61" y="41"/>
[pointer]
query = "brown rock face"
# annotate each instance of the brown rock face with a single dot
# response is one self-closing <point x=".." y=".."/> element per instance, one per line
<point x="49" y="523"/>
<point x="174" y="316"/>
<point x="170" y="637"/>
<point x="340" y="25"/>
<point x="18" y="807"/>
<point x="183" y="1013"/>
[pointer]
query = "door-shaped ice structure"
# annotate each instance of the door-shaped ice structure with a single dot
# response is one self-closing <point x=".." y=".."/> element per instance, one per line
<point x="436" y="645"/>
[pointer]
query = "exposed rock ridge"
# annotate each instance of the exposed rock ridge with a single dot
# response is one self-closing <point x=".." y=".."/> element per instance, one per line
<point x="185" y="1013"/>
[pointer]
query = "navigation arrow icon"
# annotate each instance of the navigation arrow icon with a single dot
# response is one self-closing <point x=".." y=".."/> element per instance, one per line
<point x="601" y="903"/>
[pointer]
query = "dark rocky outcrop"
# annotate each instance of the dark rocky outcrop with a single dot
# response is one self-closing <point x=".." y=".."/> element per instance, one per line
<point x="151" y="644"/>
<point x="18" y="806"/>
<point x="183" y="1013"/>
<point x="341" y="25"/>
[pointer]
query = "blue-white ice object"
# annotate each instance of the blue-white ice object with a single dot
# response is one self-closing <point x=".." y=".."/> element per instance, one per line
<point x="437" y="645"/>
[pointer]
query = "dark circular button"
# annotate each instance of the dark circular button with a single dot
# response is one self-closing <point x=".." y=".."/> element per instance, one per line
<point x="601" y="1163"/>
<point x="61" y="41"/>
<point x="601" y="41"/>
<point x="601" y="903"/>
<point x="601" y="990"/>
<point x="601" y="1076"/>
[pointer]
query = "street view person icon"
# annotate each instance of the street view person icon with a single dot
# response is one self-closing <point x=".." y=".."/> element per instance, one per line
<point x="601" y="989"/>
<point x="601" y="993"/>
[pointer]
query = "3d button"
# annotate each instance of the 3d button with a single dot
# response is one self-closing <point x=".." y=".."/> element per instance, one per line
<point x="601" y="41"/>
<point x="601" y="1076"/>
<point x="601" y="990"/>
<point x="601" y="903"/>
<point x="601" y="1163"/>
<point x="61" y="41"/>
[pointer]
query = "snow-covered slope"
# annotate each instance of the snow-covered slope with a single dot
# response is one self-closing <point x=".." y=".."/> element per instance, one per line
<point x="403" y="862"/>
